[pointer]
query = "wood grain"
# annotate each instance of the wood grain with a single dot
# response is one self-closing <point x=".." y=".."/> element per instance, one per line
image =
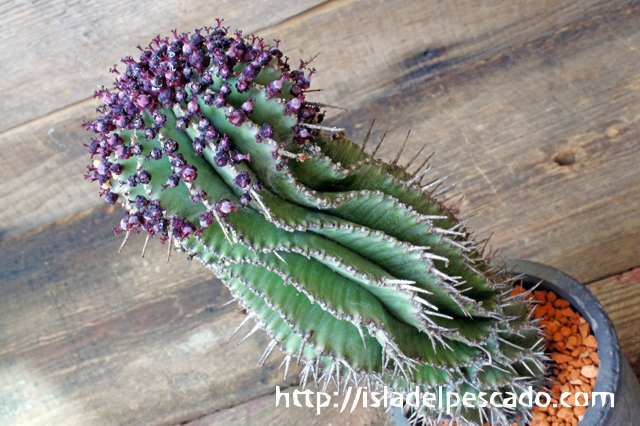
<point x="54" y="54"/>
<point x="90" y="336"/>
<point x="500" y="124"/>
<point x="263" y="412"/>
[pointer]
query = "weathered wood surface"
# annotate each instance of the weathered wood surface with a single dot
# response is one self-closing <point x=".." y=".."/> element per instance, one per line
<point x="88" y="336"/>
<point x="263" y="412"/>
<point x="56" y="53"/>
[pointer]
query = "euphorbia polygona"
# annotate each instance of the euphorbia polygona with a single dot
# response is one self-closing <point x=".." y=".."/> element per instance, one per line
<point x="348" y="263"/>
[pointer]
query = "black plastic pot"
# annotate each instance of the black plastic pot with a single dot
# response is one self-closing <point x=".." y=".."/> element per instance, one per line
<point x="615" y="374"/>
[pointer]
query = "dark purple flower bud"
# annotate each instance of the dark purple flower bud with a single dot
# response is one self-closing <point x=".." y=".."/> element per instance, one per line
<point x="166" y="96"/>
<point x="197" y="196"/>
<point x="150" y="133"/>
<point x="225" y="89"/>
<point x="133" y="181"/>
<point x="219" y="101"/>
<point x="137" y="123"/>
<point x="198" y="146"/>
<point x="225" y="206"/>
<point x="178" y="161"/>
<point x="172" y="182"/>
<point x="224" y="72"/>
<point x="121" y="121"/>
<point x="242" y="179"/>
<point x="142" y="101"/>
<point x="182" y="123"/>
<point x="222" y="158"/>
<point x="276" y="53"/>
<point x="141" y="202"/>
<point x="263" y="59"/>
<point x="237" y="117"/>
<point x="180" y="95"/>
<point x="111" y="197"/>
<point x="159" y="226"/>
<point x="144" y="177"/>
<point x="242" y="85"/>
<point x="159" y="119"/>
<point x="247" y="107"/>
<point x="103" y="168"/>
<point x="293" y="106"/>
<point x="196" y="88"/>
<point x="295" y="90"/>
<point x="301" y="132"/>
<point x="113" y="140"/>
<point x="224" y="143"/>
<point x="189" y="174"/>
<point x="206" y="219"/>
<point x="187" y="73"/>
<point x="169" y="146"/>
<point x="266" y="131"/>
<point x="257" y="186"/>
<point x="187" y="229"/>
<point x="250" y="72"/>
<point x="133" y="221"/>
<point x="193" y="106"/>
<point x="93" y="148"/>
<point x="107" y="97"/>
<point x="245" y="198"/>
<point x="116" y="169"/>
<point x="207" y="79"/>
<point x="203" y="124"/>
<point x="209" y="98"/>
<point x="156" y="153"/>
<point x="211" y="134"/>
<point x="274" y="88"/>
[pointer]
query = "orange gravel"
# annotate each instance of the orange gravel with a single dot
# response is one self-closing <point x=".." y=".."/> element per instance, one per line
<point x="574" y="349"/>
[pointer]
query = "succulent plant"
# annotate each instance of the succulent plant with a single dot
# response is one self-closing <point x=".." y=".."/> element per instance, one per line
<point x="347" y="262"/>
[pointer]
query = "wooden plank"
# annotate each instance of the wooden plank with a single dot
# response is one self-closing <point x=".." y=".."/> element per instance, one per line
<point x="618" y="294"/>
<point x="55" y="53"/>
<point x="90" y="336"/>
<point x="263" y="412"/>
<point x="368" y="51"/>
<point x="500" y="124"/>
<point x="41" y="169"/>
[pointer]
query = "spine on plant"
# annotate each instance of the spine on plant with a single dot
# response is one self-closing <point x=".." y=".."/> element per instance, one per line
<point x="348" y="263"/>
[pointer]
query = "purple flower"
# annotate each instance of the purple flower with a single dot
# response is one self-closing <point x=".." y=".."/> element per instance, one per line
<point x="225" y="206"/>
<point x="245" y="198"/>
<point x="222" y="158"/>
<point x="237" y="117"/>
<point x="189" y="174"/>
<point x="242" y="179"/>
<point x="144" y="177"/>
